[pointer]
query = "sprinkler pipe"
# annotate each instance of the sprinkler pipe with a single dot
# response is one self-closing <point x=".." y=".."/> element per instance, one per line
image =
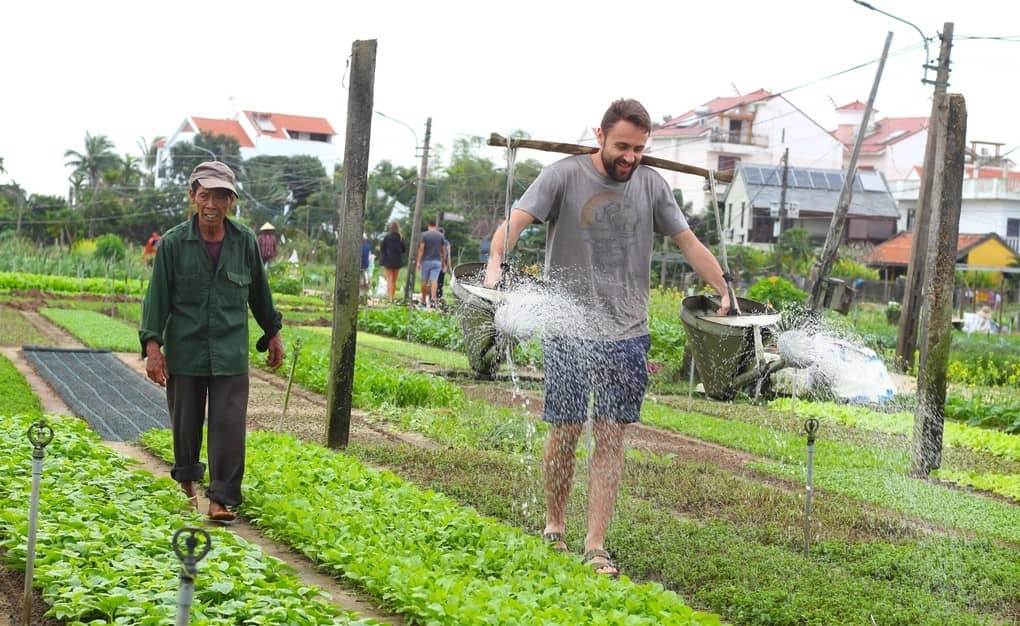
<point x="189" y="562"/>
<point x="40" y="434"/>
<point x="810" y="427"/>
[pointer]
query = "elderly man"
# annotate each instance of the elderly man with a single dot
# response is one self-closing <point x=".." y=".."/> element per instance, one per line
<point x="207" y="273"/>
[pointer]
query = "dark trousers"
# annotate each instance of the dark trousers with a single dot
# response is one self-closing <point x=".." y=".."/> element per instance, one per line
<point x="227" y="397"/>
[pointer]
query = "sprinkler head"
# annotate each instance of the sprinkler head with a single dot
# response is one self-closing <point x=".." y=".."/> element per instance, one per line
<point x="811" y="427"/>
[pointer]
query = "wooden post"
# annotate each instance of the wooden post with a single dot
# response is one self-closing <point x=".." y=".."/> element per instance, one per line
<point x="947" y="191"/>
<point x="837" y="226"/>
<point x="906" y="341"/>
<point x="352" y="225"/>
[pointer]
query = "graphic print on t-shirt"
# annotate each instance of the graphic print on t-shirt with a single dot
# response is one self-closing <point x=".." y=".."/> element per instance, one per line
<point x="609" y="228"/>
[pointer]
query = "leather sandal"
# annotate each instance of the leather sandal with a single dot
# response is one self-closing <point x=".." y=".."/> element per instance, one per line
<point x="188" y="487"/>
<point x="601" y="561"/>
<point x="557" y="541"/>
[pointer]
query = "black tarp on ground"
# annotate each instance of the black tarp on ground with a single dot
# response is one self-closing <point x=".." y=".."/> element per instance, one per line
<point x="115" y="401"/>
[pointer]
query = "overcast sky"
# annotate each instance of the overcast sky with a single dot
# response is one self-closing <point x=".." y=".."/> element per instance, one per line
<point x="136" y="69"/>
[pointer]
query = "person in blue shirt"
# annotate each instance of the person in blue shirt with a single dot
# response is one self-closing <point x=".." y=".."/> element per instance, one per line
<point x="366" y="251"/>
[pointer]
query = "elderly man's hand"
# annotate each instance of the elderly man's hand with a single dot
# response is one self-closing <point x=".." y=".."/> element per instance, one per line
<point x="275" y="357"/>
<point x="155" y="364"/>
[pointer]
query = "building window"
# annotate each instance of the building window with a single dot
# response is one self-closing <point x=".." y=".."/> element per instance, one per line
<point x="1012" y="227"/>
<point x="324" y="138"/>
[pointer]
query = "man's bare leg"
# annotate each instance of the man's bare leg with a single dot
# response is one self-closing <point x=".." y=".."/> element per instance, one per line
<point x="604" y="480"/>
<point x="558" y="470"/>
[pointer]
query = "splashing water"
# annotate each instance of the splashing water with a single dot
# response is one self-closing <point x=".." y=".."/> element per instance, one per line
<point x="529" y="311"/>
<point x="837" y="366"/>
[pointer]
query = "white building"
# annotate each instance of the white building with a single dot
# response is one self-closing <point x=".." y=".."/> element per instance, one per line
<point x="754" y="128"/>
<point x="990" y="202"/>
<point x="261" y="134"/>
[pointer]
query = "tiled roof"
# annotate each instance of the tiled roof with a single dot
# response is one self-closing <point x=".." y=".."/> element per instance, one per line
<point x="856" y="105"/>
<point x="676" y="126"/>
<point x="230" y="128"/>
<point x="896" y="251"/>
<point x="887" y="132"/>
<point x="279" y="122"/>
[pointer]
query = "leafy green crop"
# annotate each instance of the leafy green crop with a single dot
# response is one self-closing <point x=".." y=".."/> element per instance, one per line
<point x="424" y="555"/>
<point x="67" y="284"/>
<point x="103" y="551"/>
<point x="956" y="434"/>
<point x="16" y="396"/>
<point x="95" y="329"/>
<point x="376" y="382"/>
<point x="879" y="476"/>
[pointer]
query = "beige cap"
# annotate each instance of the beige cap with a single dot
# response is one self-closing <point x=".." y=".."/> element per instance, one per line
<point x="214" y="175"/>
<point x="267" y="226"/>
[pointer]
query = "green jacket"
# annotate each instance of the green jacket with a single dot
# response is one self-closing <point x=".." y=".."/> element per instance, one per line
<point x="200" y="316"/>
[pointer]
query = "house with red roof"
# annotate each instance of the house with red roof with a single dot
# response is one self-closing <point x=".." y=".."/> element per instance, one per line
<point x="891" y="145"/>
<point x="753" y="128"/>
<point x="976" y="252"/>
<point x="260" y="133"/>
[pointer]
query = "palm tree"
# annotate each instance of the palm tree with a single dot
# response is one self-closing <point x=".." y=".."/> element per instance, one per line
<point x="130" y="171"/>
<point x="97" y="158"/>
<point x="148" y="150"/>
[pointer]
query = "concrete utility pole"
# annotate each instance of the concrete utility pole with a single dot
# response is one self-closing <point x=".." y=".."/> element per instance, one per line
<point x="352" y="226"/>
<point x="419" y="201"/>
<point x="822" y="267"/>
<point x="946" y="194"/>
<point x="906" y="341"/>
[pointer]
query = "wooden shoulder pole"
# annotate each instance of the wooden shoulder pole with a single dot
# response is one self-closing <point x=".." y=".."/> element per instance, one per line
<point x="725" y="176"/>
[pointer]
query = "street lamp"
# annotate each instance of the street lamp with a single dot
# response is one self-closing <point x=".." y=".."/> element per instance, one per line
<point x="924" y="40"/>
<point x="407" y="126"/>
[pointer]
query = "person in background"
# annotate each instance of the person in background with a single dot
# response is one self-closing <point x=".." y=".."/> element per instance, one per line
<point x="149" y="252"/>
<point x="391" y="256"/>
<point x="366" y="263"/>
<point x="267" y="243"/>
<point x="446" y="267"/>
<point x="603" y="212"/>
<point x="208" y="273"/>
<point x="430" y="262"/>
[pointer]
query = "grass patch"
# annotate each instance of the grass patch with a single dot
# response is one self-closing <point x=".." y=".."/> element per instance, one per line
<point x="95" y="329"/>
<point x="15" y="330"/>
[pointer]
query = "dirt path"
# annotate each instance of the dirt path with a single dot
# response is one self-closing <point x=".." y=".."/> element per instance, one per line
<point x="59" y="337"/>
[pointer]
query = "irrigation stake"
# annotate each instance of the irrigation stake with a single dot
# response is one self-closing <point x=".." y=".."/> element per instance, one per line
<point x="690" y="386"/>
<point x="810" y="427"/>
<point x="290" y="383"/>
<point x="40" y="434"/>
<point x="189" y="562"/>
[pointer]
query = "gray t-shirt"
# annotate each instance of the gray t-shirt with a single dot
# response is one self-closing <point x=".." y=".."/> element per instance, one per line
<point x="433" y="241"/>
<point x="600" y="236"/>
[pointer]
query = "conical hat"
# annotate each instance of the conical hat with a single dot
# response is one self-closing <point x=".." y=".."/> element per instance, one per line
<point x="267" y="226"/>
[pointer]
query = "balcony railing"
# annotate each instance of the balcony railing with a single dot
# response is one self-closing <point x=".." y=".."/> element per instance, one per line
<point x="1013" y="243"/>
<point x="721" y="135"/>
<point x="973" y="189"/>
